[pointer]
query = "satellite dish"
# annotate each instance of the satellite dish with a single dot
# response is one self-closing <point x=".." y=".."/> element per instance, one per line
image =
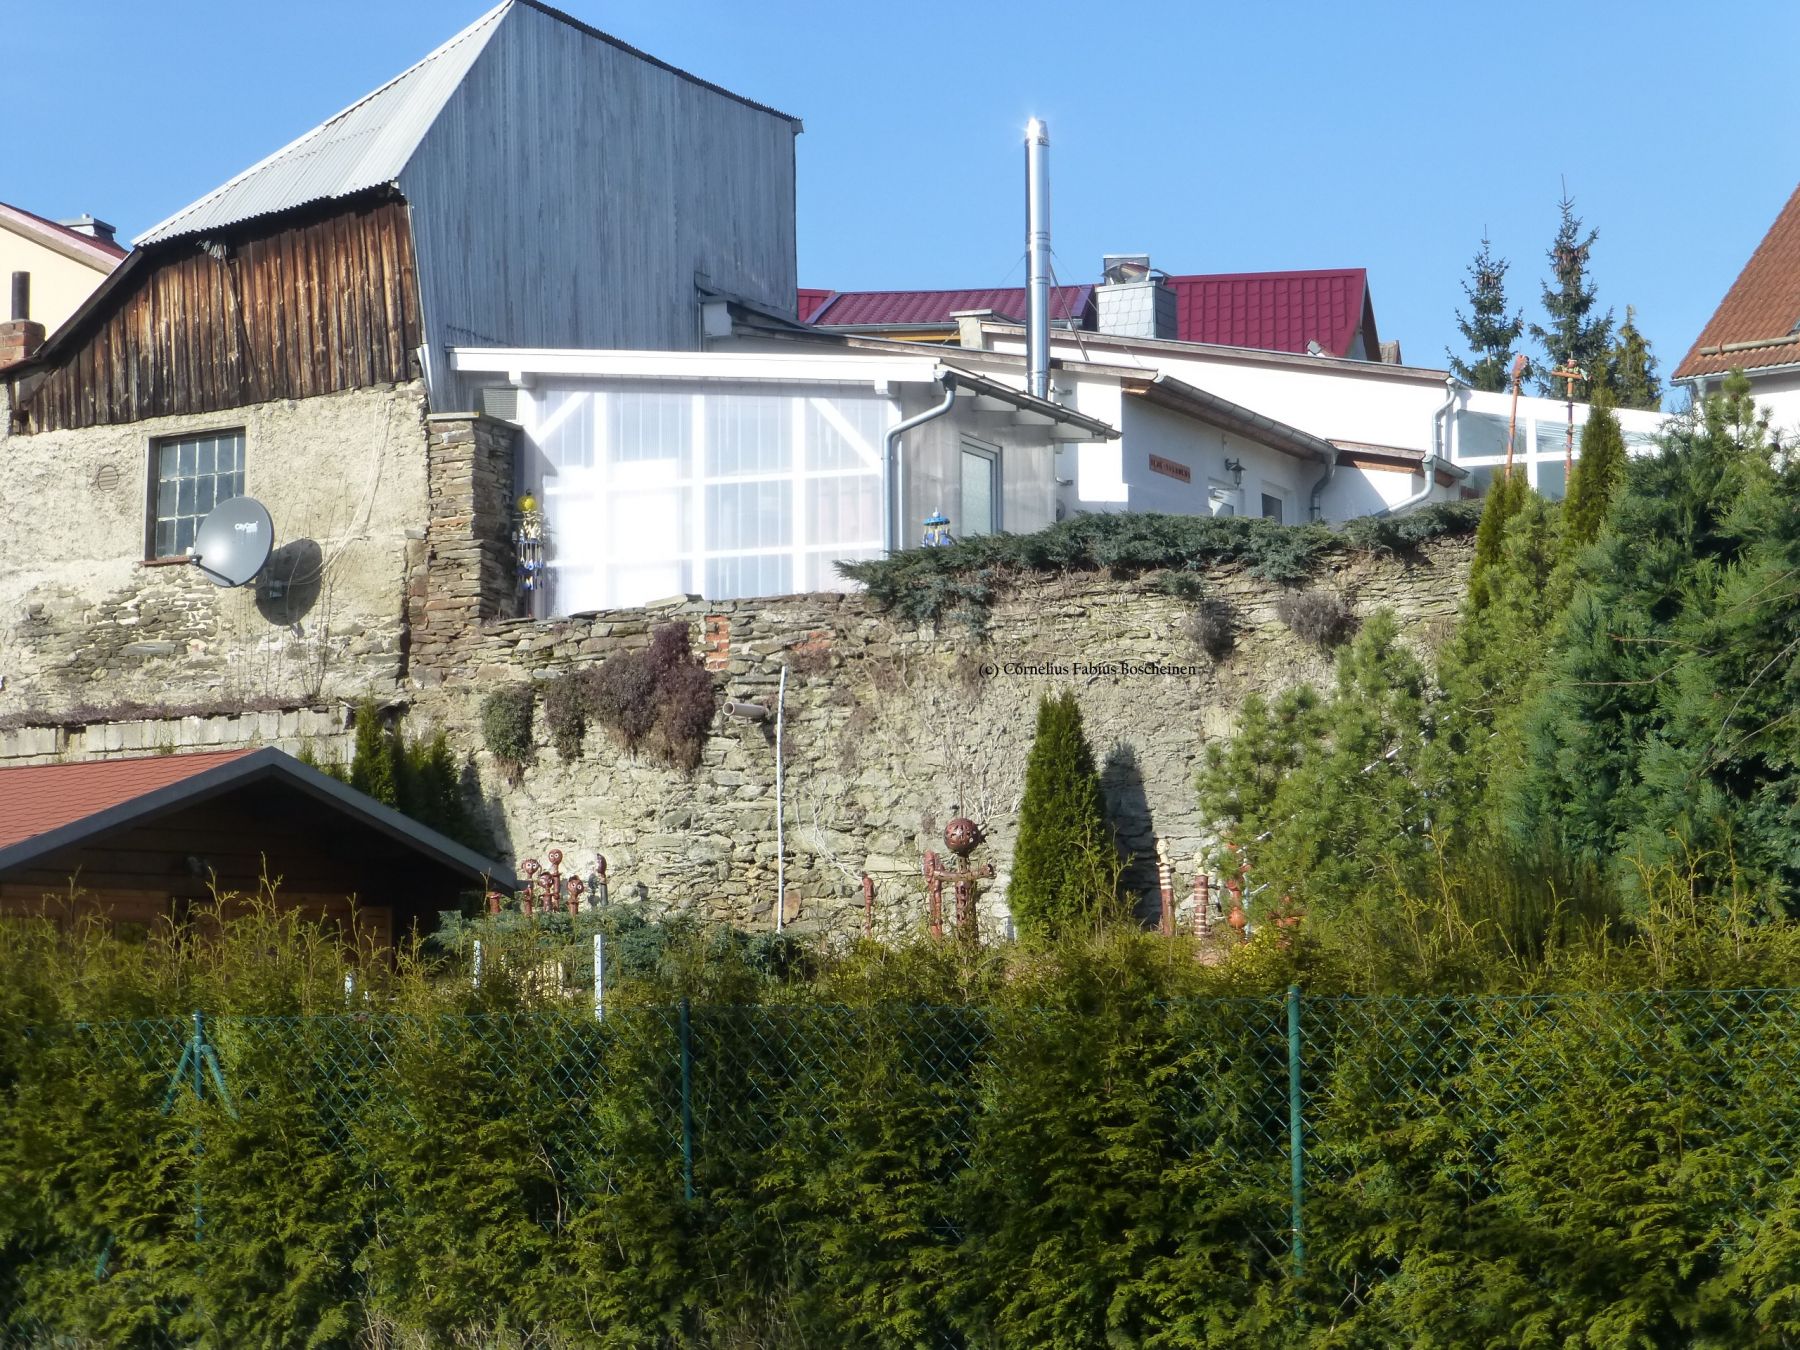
<point x="233" y="542"/>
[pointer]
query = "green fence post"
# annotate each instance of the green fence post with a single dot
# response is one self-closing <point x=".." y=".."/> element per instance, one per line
<point x="687" y="1103"/>
<point x="1296" y="1141"/>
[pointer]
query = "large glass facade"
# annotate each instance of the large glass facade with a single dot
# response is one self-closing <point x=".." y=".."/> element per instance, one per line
<point x="657" y="488"/>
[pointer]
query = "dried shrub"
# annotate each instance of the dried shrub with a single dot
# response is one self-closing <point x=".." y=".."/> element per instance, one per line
<point x="506" y="725"/>
<point x="1323" y="618"/>
<point x="659" y="699"/>
<point x="1212" y="628"/>
<point x="807" y="659"/>
<point x="566" y="702"/>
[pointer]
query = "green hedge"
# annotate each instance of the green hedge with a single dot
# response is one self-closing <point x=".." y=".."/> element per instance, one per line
<point x="923" y="1146"/>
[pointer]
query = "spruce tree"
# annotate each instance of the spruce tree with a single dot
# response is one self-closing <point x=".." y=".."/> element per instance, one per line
<point x="1490" y="332"/>
<point x="1574" y="332"/>
<point x="1631" y="368"/>
<point x="1505" y="495"/>
<point x="1065" y="866"/>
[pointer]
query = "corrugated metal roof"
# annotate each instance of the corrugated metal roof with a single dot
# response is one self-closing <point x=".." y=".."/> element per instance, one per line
<point x="364" y="146"/>
<point x="1761" y="308"/>
<point x="1274" y="311"/>
<point x="856" y="309"/>
<point x="810" y="303"/>
<point x="38" y="798"/>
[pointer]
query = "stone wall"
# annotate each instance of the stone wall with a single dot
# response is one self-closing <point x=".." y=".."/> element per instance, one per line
<point x="85" y="623"/>
<point x="891" y="729"/>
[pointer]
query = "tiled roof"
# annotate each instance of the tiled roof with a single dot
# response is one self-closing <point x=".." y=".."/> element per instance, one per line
<point x="103" y="253"/>
<point x="1762" y="307"/>
<point x="859" y="309"/>
<point x="1273" y="311"/>
<point x="38" y="798"/>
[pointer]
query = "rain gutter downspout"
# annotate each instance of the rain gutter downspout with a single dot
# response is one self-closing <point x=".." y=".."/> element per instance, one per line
<point x="1317" y="511"/>
<point x="1430" y="468"/>
<point x="894" y="468"/>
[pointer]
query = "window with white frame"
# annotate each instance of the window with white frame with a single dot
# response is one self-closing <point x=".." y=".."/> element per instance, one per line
<point x="653" y="488"/>
<point x="189" y="475"/>
<point x="980" y="491"/>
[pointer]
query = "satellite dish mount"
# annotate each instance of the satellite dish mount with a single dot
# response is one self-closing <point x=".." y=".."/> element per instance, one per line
<point x="233" y="542"/>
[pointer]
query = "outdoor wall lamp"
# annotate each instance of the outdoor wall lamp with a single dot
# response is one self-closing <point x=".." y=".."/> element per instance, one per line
<point x="1235" y="467"/>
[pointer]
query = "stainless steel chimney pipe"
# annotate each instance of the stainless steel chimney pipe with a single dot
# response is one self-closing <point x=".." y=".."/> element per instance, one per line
<point x="1037" y="256"/>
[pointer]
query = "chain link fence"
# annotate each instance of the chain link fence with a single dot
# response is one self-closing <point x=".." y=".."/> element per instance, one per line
<point x="164" y="1168"/>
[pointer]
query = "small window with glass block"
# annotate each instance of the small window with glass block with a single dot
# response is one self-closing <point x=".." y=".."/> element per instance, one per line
<point x="189" y="476"/>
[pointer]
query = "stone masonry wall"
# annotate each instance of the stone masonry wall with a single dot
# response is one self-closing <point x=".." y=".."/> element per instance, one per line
<point x="85" y="624"/>
<point x="891" y="728"/>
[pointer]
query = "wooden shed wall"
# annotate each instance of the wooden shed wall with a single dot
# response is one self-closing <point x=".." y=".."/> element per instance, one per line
<point x="570" y="190"/>
<point x="309" y="303"/>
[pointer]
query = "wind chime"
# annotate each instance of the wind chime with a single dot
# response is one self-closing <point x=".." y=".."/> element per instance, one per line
<point x="961" y="836"/>
<point x="528" y="542"/>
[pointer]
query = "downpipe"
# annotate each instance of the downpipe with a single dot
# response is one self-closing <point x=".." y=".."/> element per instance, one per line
<point x="894" y="468"/>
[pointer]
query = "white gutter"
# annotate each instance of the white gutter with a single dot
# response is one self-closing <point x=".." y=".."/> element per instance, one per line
<point x="893" y="467"/>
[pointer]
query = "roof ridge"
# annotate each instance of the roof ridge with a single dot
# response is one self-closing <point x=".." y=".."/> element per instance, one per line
<point x="161" y="231"/>
<point x="111" y="250"/>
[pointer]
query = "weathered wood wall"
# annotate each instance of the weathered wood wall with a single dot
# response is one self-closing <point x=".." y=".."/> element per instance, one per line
<point x="320" y="302"/>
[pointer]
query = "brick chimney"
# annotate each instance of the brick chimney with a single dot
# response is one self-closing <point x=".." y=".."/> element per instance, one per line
<point x="19" y="336"/>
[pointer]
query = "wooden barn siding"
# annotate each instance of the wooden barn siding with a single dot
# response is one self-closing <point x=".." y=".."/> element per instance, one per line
<point x="324" y="303"/>
<point x="568" y="193"/>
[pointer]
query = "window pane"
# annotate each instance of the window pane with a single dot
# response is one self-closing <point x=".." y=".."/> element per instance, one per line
<point x="188" y="457"/>
<point x="184" y="535"/>
<point x="209" y="456"/>
<point x="977" y="495"/>
<point x="232" y="485"/>
<point x="165" y="538"/>
<point x="203" y="495"/>
<point x="166" y="466"/>
<point x="186" y="499"/>
<point x="165" y="498"/>
<point x="1271" y="508"/>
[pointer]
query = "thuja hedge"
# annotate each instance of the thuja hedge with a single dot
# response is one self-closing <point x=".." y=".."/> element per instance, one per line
<point x="920" y="1146"/>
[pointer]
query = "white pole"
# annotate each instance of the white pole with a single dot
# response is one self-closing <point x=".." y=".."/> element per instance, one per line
<point x="780" y="829"/>
<point x="349" y="986"/>
<point x="599" y="976"/>
<point x="476" y="981"/>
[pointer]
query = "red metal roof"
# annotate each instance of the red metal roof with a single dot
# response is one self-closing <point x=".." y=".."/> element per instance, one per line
<point x="811" y="302"/>
<point x="856" y="309"/>
<point x="38" y="798"/>
<point x="1274" y="311"/>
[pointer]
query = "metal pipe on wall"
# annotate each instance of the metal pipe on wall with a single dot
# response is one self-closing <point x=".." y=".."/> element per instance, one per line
<point x="893" y="466"/>
<point x="1037" y="255"/>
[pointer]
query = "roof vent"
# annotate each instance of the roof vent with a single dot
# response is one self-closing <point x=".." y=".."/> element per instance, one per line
<point x="92" y="228"/>
<point x="1116" y="268"/>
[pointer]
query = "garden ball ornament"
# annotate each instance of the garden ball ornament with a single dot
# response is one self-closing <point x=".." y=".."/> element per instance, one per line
<point x="961" y="836"/>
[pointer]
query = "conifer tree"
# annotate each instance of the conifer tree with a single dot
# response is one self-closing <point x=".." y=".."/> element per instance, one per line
<point x="1596" y="475"/>
<point x="1505" y="494"/>
<point x="1631" y="368"/>
<point x="1488" y="329"/>
<point x="1574" y="333"/>
<point x="374" y="760"/>
<point x="1065" y="866"/>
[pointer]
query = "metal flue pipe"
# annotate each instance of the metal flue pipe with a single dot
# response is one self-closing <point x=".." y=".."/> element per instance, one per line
<point x="1037" y="256"/>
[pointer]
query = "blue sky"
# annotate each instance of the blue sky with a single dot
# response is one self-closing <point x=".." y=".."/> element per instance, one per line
<point x="1217" y="138"/>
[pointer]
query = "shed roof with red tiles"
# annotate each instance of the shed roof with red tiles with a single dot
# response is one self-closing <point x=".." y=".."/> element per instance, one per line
<point x="1758" y="322"/>
<point x="1270" y="311"/>
<point x="38" y="798"/>
<point x="45" y="808"/>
